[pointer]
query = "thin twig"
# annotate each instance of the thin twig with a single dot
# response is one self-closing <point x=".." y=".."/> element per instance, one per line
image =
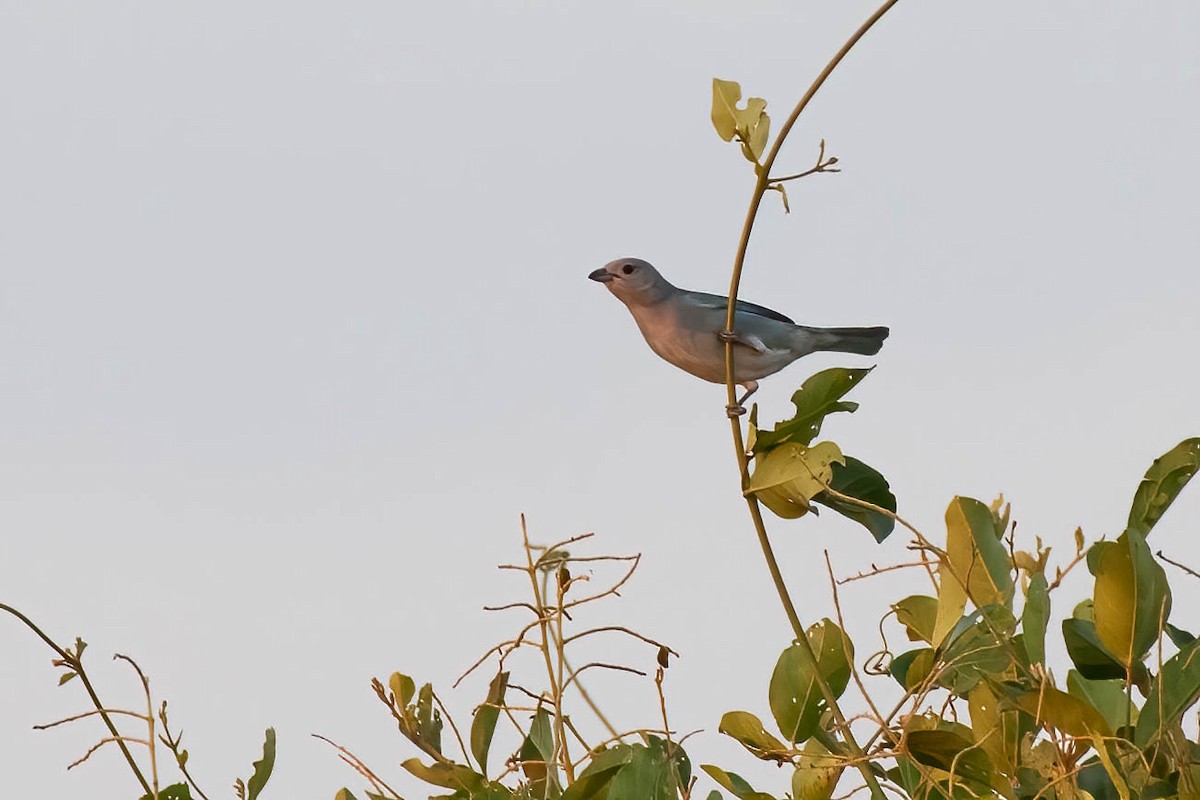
<point x="587" y="698"/>
<point x="621" y="629"/>
<point x="822" y="165"/>
<point x="1183" y="567"/>
<point x="151" y="740"/>
<point x="602" y="665"/>
<point x="556" y="687"/>
<point x="101" y="743"/>
<point x="45" y="726"/>
<point x="508" y="606"/>
<point x="612" y="590"/>
<point x="871" y="573"/>
<point x="354" y="761"/>
<point x="75" y="663"/>
<point x="173" y="744"/>
<point x="837" y="606"/>
<point x="446" y="716"/>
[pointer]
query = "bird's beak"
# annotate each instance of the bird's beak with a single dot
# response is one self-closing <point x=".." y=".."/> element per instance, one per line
<point x="602" y="275"/>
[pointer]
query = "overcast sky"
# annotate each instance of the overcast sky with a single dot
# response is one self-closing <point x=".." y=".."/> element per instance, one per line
<point x="294" y="323"/>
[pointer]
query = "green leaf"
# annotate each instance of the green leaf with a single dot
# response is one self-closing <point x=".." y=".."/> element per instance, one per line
<point x="1179" y="637"/>
<point x="732" y="782"/>
<point x="950" y="752"/>
<point x="996" y="731"/>
<point x="675" y="754"/>
<point x="1094" y="779"/>
<point x="1035" y="617"/>
<point x="918" y="614"/>
<point x="483" y="727"/>
<point x="952" y="601"/>
<point x="787" y="477"/>
<point x="1064" y="712"/>
<point x="749" y="731"/>
<point x="262" y="767"/>
<point x="537" y="755"/>
<point x="429" y="718"/>
<point x="856" y="479"/>
<point x="1175" y="689"/>
<point x="817" y="398"/>
<point x="817" y="774"/>
<point x="977" y="557"/>
<point x="977" y="647"/>
<point x="593" y="783"/>
<point x="647" y="776"/>
<point x="1163" y="482"/>
<point x="1108" y="697"/>
<point x="907" y="775"/>
<point x="1088" y="653"/>
<point x="448" y="776"/>
<point x="795" y="696"/>
<point x="342" y="794"/>
<point x="750" y="125"/>
<point x="403" y="687"/>
<point x="1132" y="599"/>
<point x="910" y="669"/>
<point x="176" y="791"/>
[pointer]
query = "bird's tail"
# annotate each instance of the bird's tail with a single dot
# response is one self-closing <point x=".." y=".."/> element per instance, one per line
<point x="863" y="341"/>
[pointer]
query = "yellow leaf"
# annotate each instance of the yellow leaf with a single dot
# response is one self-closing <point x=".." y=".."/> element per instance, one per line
<point x="785" y="478"/>
<point x="726" y="95"/>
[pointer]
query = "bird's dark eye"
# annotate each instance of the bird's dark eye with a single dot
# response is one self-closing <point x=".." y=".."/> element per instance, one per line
<point x="628" y="269"/>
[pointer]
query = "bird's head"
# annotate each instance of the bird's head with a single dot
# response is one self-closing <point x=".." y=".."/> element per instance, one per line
<point x="633" y="281"/>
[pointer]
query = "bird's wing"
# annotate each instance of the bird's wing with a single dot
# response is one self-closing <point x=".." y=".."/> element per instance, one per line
<point x="720" y="303"/>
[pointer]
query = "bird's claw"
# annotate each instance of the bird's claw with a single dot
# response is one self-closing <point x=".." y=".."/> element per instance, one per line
<point x="734" y="410"/>
<point x="727" y="336"/>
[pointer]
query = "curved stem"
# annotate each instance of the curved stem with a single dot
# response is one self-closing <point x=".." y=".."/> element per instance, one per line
<point x="760" y="188"/>
<point x="75" y="663"/>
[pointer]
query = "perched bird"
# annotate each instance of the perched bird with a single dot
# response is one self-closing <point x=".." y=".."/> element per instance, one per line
<point x="688" y="329"/>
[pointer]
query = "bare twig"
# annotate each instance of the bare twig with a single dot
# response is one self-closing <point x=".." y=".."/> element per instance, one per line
<point x="874" y="570"/>
<point x="173" y="743"/>
<point x="74" y="662"/>
<point x="45" y="726"/>
<point x="361" y="768"/>
<point x="602" y="665"/>
<point x="837" y="606"/>
<point x="446" y="716"/>
<point x="101" y="743"/>
<point x="1183" y="567"/>
<point x="822" y="165"/>
<point x="151" y="741"/>
<point x="561" y="751"/>
<point x="621" y="629"/>
<point x="1062" y="572"/>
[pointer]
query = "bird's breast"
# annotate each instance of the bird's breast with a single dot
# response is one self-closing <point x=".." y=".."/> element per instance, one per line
<point x="692" y="347"/>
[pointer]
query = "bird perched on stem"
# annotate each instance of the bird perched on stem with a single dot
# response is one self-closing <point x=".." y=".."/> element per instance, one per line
<point x="688" y="329"/>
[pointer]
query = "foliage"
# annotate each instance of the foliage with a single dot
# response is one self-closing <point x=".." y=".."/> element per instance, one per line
<point x="1116" y="729"/>
<point x="980" y="714"/>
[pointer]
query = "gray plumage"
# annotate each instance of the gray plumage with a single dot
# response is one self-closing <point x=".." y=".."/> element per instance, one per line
<point x="685" y="328"/>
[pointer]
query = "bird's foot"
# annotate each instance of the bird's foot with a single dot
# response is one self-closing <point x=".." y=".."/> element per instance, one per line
<point x="735" y="410"/>
<point x="727" y="336"/>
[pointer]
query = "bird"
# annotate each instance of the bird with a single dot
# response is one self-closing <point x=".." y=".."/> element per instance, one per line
<point x="687" y="329"/>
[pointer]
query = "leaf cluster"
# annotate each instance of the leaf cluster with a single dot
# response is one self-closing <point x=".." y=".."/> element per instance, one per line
<point x="982" y="714"/>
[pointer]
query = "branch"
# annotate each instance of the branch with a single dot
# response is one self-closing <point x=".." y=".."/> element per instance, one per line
<point x="75" y="663"/>
<point x="1183" y="567"/>
<point x="760" y="189"/>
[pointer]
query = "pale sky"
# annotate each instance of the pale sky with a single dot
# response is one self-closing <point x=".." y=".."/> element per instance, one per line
<point x="294" y="323"/>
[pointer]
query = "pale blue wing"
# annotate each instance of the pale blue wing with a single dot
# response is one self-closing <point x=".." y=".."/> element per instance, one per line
<point x="721" y="303"/>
